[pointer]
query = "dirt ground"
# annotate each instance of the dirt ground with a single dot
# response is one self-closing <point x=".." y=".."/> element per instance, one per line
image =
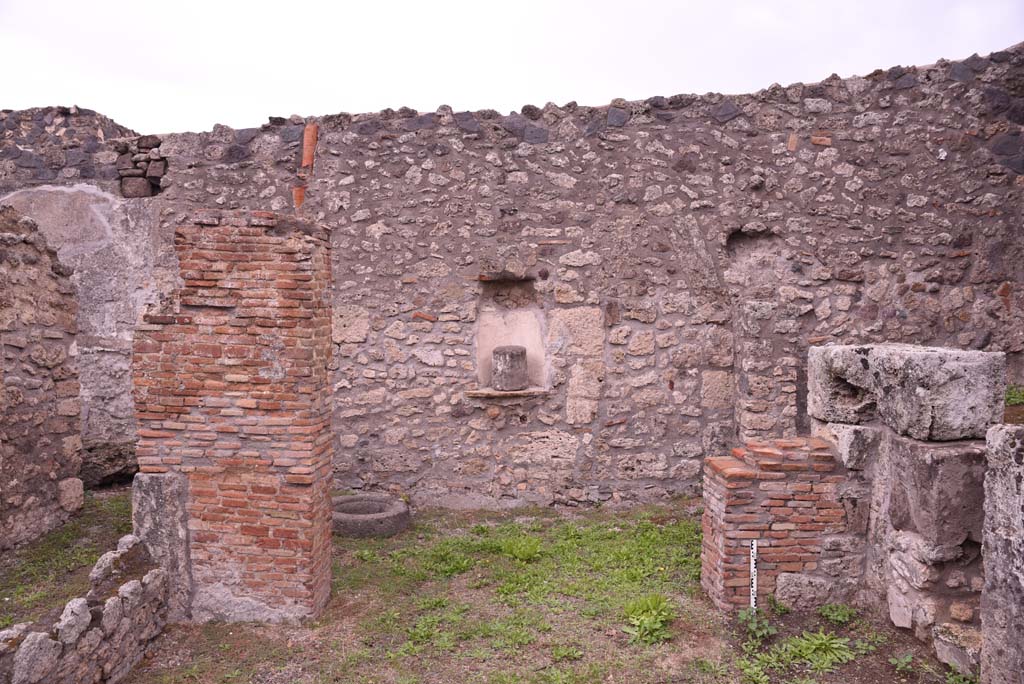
<point x="535" y="598"/>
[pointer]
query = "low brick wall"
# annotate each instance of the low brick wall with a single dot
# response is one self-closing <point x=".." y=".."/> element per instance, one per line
<point x="99" y="637"/>
<point x="784" y="494"/>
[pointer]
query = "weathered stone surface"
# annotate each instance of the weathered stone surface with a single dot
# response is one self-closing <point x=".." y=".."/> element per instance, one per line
<point x="70" y="494"/>
<point x="160" y="522"/>
<point x="36" y="659"/>
<point x="938" y="489"/>
<point x="958" y="646"/>
<point x="106" y="463"/>
<point x="40" y="448"/>
<point x="73" y="621"/>
<point x="133" y="187"/>
<point x="802" y="592"/>
<point x="926" y="393"/>
<point x="508" y="369"/>
<point x="856" y="445"/>
<point x="350" y="324"/>
<point x="1002" y="601"/>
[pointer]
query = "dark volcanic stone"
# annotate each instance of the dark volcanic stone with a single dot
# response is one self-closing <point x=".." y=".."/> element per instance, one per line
<point x="365" y="127"/>
<point x="292" y="133"/>
<point x="976" y="63"/>
<point x="725" y="111"/>
<point x="467" y="122"/>
<point x="617" y="117"/>
<point x="420" y="122"/>
<point x="1006" y="144"/>
<point x="998" y="100"/>
<point x="596" y="125"/>
<point x="1016" y="112"/>
<point x="246" y="135"/>
<point x="235" y="153"/>
<point x="905" y="81"/>
<point x="535" y="135"/>
<point x="1015" y="164"/>
<point x="961" y="72"/>
<point x="657" y="102"/>
<point x="148" y="142"/>
<point x="531" y="112"/>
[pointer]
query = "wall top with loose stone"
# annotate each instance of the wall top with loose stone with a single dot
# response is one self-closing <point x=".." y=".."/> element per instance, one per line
<point x="98" y="637"/>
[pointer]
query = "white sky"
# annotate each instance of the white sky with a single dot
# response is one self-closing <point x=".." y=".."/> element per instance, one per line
<point x="177" y="65"/>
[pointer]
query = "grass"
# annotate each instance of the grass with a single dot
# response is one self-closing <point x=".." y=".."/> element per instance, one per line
<point x="530" y="598"/>
<point x="43" y="575"/>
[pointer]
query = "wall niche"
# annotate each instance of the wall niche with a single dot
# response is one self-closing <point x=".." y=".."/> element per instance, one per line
<point x="509" y="313"/>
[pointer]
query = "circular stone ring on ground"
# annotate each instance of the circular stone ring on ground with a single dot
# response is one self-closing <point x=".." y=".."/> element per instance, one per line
<point x="369" y="515"/>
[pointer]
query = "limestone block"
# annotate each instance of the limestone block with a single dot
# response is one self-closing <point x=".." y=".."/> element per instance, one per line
<point x="35" y="659"/>
<point x="716" y="390"/>
<point x="508" y="368"/>
<point x="160" y="521"/>
<point x="73" y="621"/>
<point x="349" y="324"/>
<point x="578" y="330"/>
<point x="958" y="646"/>
<point x="1002" y="600"/>
<point x="802" y="592"/>
<point x="70" y="494"/>
<point x="856" y="445"/>
<point x="928" y="393"/>
<point x="936" y="489"/>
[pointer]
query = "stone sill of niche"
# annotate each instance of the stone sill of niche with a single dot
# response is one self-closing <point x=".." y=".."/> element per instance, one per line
<point x="490" y="393"/>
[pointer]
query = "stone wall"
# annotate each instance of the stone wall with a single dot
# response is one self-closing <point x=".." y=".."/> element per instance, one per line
<point x="40" y="447"/>
<point x="1002" y="602"/>
<point x="231" y="390"/>
<point x="99" y="637"/>
<point x="674" y="259"/>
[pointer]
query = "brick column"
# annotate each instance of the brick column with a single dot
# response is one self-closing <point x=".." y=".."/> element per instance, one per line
<point x="782" y="493"/>
<point x="231" y="393"/>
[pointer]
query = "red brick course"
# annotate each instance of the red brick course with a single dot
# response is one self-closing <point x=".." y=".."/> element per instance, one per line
<point x="780" y="492"/>
<point x="231" y="388"/>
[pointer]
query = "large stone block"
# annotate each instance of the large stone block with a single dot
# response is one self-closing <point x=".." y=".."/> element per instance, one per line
<point x="1002" y="600"/>
<point x="856" y="445"/>
<point x="927" y="393"/>
<point x="160" y="521"/>
<point x="937" y="490"/>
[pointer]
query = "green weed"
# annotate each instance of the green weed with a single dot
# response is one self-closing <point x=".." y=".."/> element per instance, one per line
<point x="837" y="613"/>
<point x="904" y="663"/>
<point x="649" y="618"/>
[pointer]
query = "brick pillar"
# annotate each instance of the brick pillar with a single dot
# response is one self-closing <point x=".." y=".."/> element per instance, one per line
<point x="231" y="392"/>
<point x="783" y="493"/>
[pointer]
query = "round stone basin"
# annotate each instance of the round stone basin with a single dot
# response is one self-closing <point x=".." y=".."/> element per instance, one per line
<point x="369" y="515"/>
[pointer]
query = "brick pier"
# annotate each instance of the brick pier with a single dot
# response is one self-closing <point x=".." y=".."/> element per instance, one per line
<point x="783" y="493"/>
<point x="231" y="393"/>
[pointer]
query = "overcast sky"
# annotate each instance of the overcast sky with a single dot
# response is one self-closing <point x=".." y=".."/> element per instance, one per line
<point x="179" y="65"/>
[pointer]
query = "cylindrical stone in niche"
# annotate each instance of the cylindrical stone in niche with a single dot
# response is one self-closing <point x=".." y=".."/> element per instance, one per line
<point x="508" y="369"/>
